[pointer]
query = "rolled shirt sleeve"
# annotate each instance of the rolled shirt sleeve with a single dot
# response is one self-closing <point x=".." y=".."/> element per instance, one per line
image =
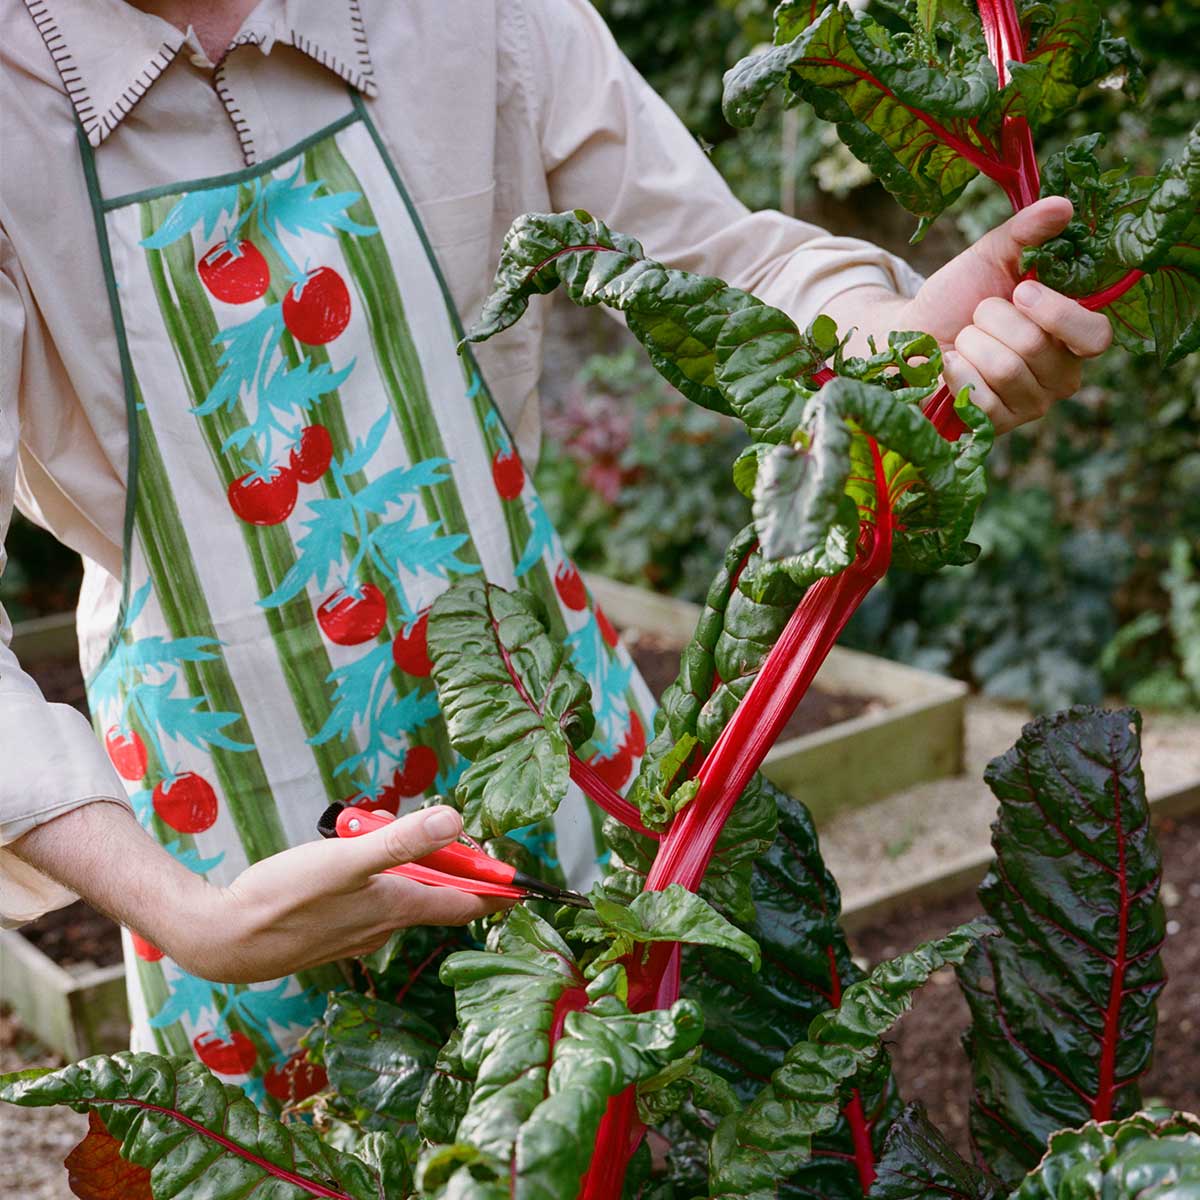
<point x="613" y="146"/>
<point x="50" y="760"/>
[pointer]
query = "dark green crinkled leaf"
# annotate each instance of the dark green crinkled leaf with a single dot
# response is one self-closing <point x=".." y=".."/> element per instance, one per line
<point x="1070" y="46"/>
<point x="177" y="1118"/>
<point x="773" y="1137"/>
<point x="922" y="113"/>
<point x="806" y="493"/>
<point x="534" y="1111"/>
<point x="1124" y="223"/>
<point x="671" y="915"/>
<point x="677" y="316"/>
<point x="378" y="1058"/>
<point x="1063" y="1004"/>
<point x="388" y="1157"/>
<point x="1140" y="1158"/>
<point x="514" y="704"/>
<point x="447" y="1094"/>
<point x="918" y="1162"/>
<point x="750" y="1022"/>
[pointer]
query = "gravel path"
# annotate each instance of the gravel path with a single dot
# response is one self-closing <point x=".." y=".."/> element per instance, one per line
<point x="35" y="1140"/>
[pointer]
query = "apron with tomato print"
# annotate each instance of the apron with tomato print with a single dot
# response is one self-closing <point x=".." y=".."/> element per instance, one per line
<point x="311" y="464"/>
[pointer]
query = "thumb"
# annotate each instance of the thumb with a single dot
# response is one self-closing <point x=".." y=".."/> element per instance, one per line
<point x="1032" y="226"/>
<point x="400" y="841"/>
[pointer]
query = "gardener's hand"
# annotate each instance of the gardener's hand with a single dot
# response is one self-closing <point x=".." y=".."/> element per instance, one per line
<point x="1020" y="345"/>
<point x="312" y="904"/>
<point x="327" y="900"/>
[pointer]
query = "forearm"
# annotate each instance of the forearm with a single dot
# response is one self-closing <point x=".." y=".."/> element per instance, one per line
<point x="101" y="853"/>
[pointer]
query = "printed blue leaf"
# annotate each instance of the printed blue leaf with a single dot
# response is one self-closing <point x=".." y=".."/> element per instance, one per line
<point x="245" y="359"/>
<point x="209" y="206"/>
<point x="149" y="653"/>
<point x="297" y="389"/>
<point x="189" y="1000"/>
<point x="394" y="485"/>
<point x="358" y="690"/>
<point x="541" y="538"/>
<point x="190" y="857"/>
<point x="320" y="549"/>
<point x="182" y="718"/>
<point x="137" y="602"/>
<point x="421" y="549"/>
<point x="401" y="715"/>
<point x="296" y="207"/>
<point x="364" y="449"/>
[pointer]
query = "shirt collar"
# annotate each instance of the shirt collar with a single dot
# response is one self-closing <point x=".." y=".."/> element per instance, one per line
<point x="109" y="54"/>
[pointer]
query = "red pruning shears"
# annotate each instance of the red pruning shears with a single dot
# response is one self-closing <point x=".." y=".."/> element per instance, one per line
<point x="456" y="865"/>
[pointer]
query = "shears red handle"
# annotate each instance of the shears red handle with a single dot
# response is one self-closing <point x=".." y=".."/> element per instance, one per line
<point x="456" y="865"/>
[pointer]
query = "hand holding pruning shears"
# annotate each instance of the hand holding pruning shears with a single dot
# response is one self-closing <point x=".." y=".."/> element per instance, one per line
<point x="457" y="866"/>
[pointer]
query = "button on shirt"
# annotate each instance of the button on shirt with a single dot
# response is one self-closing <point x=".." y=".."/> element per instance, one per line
<point x="489" y="109"/>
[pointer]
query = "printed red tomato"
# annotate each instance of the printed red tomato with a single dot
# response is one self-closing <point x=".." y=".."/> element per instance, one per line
<point x="144" y="949"/>
<point x="127" y="752"/>
<point x="387" y="801"/>
<point x="411" y="650"/>
<point x="295" y="1080"/>
<point x="616" y="769"/>
<point x="508" y="474"/>
<point x="635" y="736"/>
<point x="311" y="457"/>
<point x="235" y="274"/>
<point x="570" y="587"/>
<point x="317" y="310"/>
<point x="236" y="1056"/>
<point x="188" y="804"/>
<point x="351" y="620"/>
<point x="264" y="501"/>
<point x="607" y="632"/>
<point x="413" y="779"/>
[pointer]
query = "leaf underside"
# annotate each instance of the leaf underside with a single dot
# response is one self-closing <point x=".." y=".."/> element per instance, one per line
<point x="1063" y="1004"/>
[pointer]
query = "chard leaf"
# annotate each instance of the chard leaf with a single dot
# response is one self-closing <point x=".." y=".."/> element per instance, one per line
<point x="1140" y="1158"/>
<point x="176" y="1118"/>
<point x="918" y="1162"/>
<point x="1063" y="1004"/>
<point x="96" y="1170"/>
<point x="924" y="115"/>
<point x="671" y="915"/>
<point x="773" y="1137"/>
<point x="1130" y="223"/>
<point x="733" y="636"/>
<point x="1070" y="46"/>
<point x="514" y="704"/>
<point x="530" y="1125"/>
<point x="678" y="317"/>
<point x="750" y="1021"/>
<point x="805" y="491"/>
<point x="378" y="1057"/>
<point x="447" y="1094"/>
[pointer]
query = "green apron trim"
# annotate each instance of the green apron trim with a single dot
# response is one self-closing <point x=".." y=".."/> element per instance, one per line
<point x="232" y="177"/>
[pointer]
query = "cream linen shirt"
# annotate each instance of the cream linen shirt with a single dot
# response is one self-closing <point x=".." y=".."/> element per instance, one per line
<point x="489" y="108"/>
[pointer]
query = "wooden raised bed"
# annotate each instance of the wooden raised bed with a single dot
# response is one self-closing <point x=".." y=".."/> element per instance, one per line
<point x="915" y="737"/>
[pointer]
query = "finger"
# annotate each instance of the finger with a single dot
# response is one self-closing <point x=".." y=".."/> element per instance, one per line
<point x="958" y="373"/>
<point x="1083" y="332"/>
<point x="400" y="841"/>
<point x="406" y="902"/>
<point x="1032" y="226"/>
<point x="1052" y="364"/>
<point x="1005" y="372"/>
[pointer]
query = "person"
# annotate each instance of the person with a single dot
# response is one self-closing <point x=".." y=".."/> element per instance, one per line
<point x="237" y="242"/>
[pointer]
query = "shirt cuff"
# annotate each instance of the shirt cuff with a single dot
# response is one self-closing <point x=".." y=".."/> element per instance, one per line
<point x="53" y="763"/>
<point x="824" y="267"/>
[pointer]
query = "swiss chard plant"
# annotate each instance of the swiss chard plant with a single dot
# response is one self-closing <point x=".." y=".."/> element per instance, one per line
<point x="701" y="1030"/>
